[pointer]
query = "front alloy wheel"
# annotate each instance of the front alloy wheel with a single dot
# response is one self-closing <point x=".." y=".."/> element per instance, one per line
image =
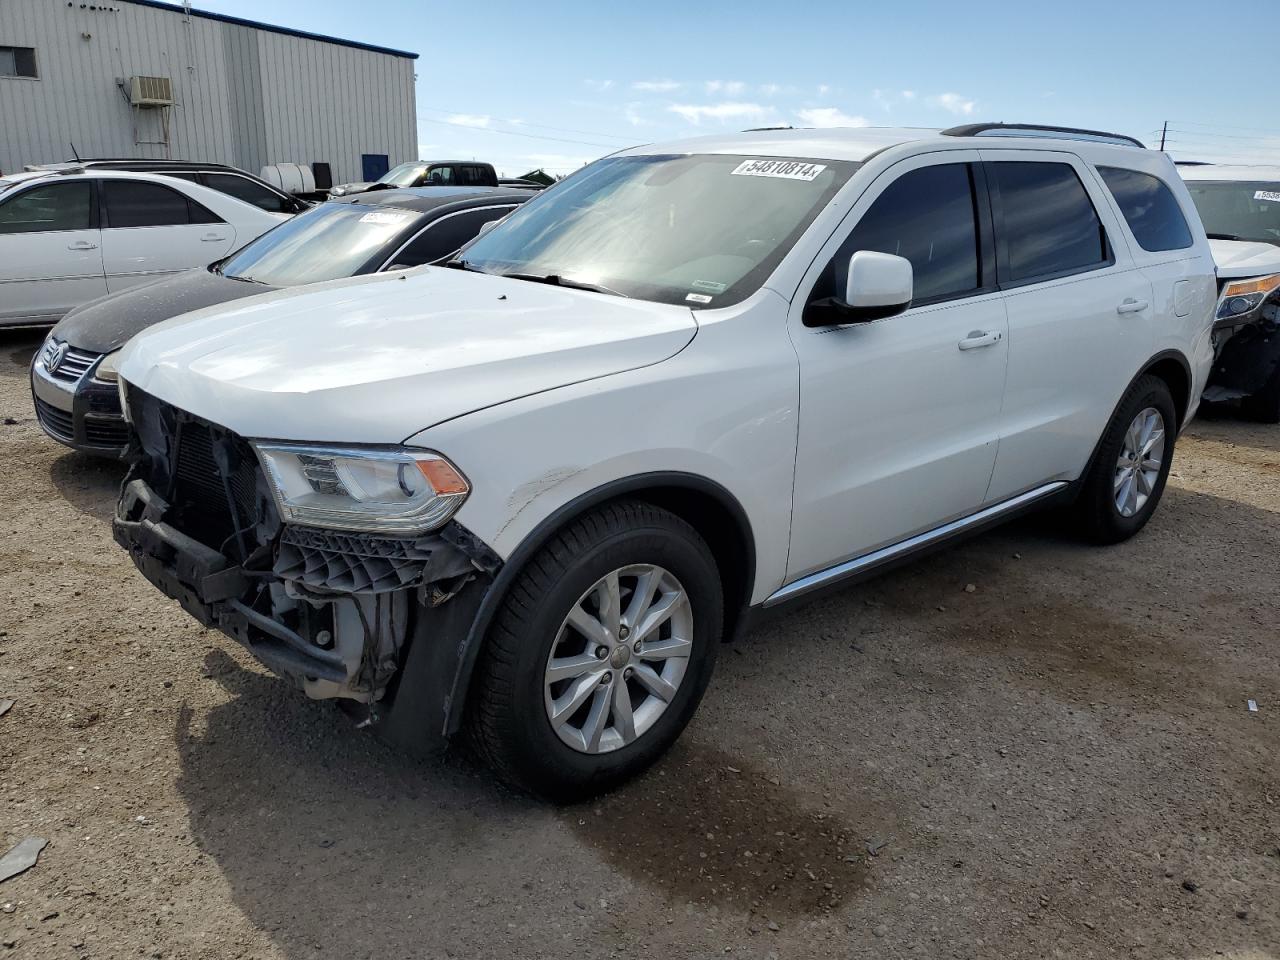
<point x="601" y="650"/>
<point x="619" y="658"/>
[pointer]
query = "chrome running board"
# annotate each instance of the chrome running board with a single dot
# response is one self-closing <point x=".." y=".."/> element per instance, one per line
<point x="886" y="555"/>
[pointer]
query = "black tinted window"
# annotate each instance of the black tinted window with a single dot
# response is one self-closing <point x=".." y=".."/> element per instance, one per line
<point x="475" y="177"/>
<point x="1049" y="224"/>
<point x="1150" y="209"/>
<point x="137" y="203"/>
<point x="439" y="176"/>
<point x="447" y="235"/>
<point x="58" y="206"/>
<point x="928" y="217"/>
<point x="242" y="188"/>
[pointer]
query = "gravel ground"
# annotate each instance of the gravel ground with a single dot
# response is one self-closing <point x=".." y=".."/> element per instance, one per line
<point x="1058" y="763"/>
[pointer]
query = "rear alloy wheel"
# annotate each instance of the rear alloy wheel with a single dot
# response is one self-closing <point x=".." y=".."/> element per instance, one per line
<point x="600" y="652"/>
<point x="1128" y="473"/>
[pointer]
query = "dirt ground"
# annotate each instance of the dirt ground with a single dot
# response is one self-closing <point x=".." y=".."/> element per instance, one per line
<point x="1059" y="763"/>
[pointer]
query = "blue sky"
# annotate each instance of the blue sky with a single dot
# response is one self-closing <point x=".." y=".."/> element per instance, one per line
<point x="556" y="84"/>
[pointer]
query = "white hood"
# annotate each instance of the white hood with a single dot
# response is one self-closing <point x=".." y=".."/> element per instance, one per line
<point x="378" y="359"/>
<point x="1244" y="258"/>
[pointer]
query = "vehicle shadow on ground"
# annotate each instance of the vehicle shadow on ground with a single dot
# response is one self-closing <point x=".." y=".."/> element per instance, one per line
<point x="90" y="484"/>
<point x="21" y="346"/>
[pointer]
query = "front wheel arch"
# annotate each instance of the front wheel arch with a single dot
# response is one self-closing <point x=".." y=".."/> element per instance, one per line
<point x="704" y="504"/>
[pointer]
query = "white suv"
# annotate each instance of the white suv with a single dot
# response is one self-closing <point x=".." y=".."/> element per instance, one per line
<point x="531" y="495"/>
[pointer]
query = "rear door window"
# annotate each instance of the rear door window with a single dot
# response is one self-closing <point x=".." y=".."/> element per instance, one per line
<point x="447" y="235"/>
<point x="474" y="177"/>
<point x="57" y="206"/>
<point x="1046" y="225"/>
<point x="138" y="203"/>
<point x="1150" y="209"/>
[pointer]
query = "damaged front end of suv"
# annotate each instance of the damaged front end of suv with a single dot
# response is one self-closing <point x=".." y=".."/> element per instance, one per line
<point x="340" y="569"/>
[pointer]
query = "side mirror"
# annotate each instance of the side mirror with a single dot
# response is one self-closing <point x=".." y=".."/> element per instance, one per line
<point x="877" y="285"/>
<point x="487" y="226"/>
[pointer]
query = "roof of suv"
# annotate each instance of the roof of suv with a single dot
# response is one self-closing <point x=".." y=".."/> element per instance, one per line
<point x="860" y="143"/>
<point x="1231" y="171"/>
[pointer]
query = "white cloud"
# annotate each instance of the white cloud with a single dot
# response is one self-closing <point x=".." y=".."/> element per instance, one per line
<point x="823" y="89"/>
<point x="954" y="103"/>
<point x="632" y="115"/>
<point x="831" y="117"/>
<point x="696" y="113"/>
<point x="908" y="94"/>
<point x="770" y="89"/>
<point x="656" y="86"/>
<point x="881" y="100"/>
<point x="599" y="85"/>
<point x="469" y="120"/>
<point x="730" y="88"/>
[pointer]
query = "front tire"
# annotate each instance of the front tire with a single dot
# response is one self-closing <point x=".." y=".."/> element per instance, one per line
<point x="1128" y="474"/>
<point x="600" y="653"/>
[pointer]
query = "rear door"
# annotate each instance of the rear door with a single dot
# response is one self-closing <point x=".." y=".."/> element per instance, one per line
<point x="1080" y="315"/>
<point x="50" y="250"/>
<point x="150" y="230"/>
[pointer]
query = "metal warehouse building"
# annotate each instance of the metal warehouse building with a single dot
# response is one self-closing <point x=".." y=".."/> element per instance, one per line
<point x="137" y="78"/>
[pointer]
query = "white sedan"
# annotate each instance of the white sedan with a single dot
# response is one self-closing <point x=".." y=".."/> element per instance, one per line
<point x="70" y="237"/>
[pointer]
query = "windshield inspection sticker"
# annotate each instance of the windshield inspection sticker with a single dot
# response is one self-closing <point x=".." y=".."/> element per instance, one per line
<point x="711" y="286"/>
<point x="783" y="169"/>
<point x="385" y="216"/>
<point x="697" y="298"/>
<point x="1267" y="195"/>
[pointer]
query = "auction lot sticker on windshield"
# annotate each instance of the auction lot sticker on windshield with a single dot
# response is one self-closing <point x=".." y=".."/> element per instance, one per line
<point x="783" y="169"/>
<point x="385" y="216"/>
<point x="1271" y="195"/>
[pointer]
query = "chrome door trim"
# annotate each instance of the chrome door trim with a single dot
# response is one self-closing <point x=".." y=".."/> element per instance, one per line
<point x="870" y="561"/>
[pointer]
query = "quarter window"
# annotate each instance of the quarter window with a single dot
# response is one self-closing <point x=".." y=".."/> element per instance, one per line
<point x="1050" y="227"/>
<point x="58" y="206"/>
<point x="1150" y="209"/>
<point x="928" y="217"/>
<point x="18" y="62"/>
<point x="136" y="203"/>
<point x="242" y="188"/>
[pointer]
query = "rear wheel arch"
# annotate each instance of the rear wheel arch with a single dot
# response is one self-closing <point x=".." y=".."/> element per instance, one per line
<point x="707" y="506"/>
<point x="1172" y="367"/>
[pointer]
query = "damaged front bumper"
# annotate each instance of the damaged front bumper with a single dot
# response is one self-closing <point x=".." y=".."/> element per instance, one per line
<point x="381" y="621"/>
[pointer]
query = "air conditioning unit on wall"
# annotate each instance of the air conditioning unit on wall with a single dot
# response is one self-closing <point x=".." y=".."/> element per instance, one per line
<point x="150" y="91"/>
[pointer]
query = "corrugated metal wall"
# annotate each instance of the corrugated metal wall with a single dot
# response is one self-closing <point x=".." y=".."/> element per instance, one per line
<point x="242" y="96"/>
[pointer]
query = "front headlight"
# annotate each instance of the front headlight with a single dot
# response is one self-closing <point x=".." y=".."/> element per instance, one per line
<point x="1244" y="296"/>
<point x="108" y="368"/>
<point x="392" y="491"/>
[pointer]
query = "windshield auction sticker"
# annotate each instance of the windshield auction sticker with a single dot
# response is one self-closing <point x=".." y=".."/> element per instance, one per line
<point x="386" y="216"/>
<point x="782" y="169"/>
<point x="1267" y="195"/>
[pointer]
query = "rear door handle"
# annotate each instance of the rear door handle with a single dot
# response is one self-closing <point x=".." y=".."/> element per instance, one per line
<point x="1130" y="305"/>
<point x="213" y="238"/>
<point x="82" y="245"/>
<point x="981" y="338"/>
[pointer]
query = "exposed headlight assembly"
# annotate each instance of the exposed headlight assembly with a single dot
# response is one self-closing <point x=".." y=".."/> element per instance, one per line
<point x="108" y="368"/>
<point x="1244" y="296"/>
<point x="388" y="491"/>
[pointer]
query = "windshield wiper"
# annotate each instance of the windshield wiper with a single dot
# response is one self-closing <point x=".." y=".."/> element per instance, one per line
<point x="1223" y="236"/>
<point x="558" y="281"/>
<point x="232" y="276"/>
<point x="459" y="264"/>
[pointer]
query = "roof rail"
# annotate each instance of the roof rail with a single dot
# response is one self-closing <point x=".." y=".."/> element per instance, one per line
<point x="1038" y="129"/>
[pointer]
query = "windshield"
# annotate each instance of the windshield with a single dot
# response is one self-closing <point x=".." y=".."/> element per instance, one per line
<point x="703" y="230"/>
<point x="326" y="242"/>
<point x="405" y="175"/>
<point x="1238" y="210"/>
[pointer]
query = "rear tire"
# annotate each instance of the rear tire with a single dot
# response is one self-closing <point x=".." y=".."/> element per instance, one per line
<point x="567" y="700"/>
<point x="1127" y="477"/>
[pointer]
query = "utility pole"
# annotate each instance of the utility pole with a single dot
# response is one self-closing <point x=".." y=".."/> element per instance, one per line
<point x="1163" y="132"/>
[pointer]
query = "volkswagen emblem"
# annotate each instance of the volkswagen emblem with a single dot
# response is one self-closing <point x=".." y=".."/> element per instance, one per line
<point x="56" y="357"/>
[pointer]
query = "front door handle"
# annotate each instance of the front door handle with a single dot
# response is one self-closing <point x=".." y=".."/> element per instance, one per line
<point x="981" y="338"/>
<point x="82" y="245"/>
<point x="1130" y="305"/>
